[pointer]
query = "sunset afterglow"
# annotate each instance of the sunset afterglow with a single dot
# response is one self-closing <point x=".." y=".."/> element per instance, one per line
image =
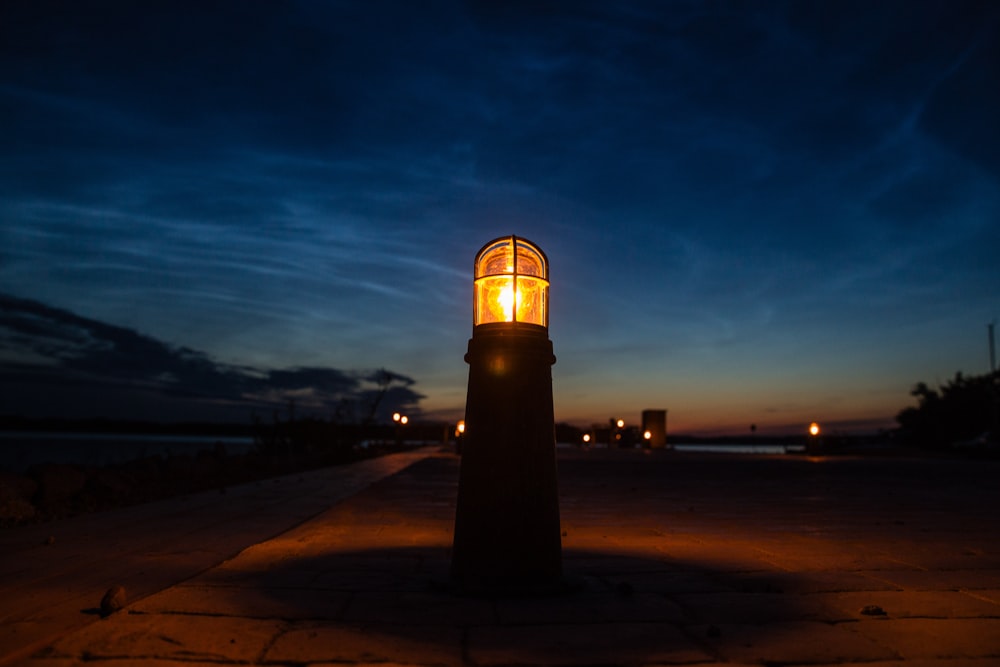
<point x="753" y="214"/>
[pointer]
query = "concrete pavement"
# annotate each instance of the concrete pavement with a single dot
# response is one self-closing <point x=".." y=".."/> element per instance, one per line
<point x="53" y="576"/>
<point x="686" y="559"/>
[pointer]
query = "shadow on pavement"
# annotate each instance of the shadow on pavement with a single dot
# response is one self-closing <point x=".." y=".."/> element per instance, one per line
<point x="392" y="604"/>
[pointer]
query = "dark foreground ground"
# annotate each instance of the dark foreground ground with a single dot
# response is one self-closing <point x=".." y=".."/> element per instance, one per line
<point x="685" y="559"/>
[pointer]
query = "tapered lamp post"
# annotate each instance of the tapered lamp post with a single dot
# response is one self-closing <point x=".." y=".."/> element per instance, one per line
<point x="507" y="537"/>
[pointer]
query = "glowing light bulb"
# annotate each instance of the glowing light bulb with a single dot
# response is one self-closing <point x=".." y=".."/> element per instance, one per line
<point x="511" y="285"/>
<point x="506" y="300"/>
<point x="509" y="300"/>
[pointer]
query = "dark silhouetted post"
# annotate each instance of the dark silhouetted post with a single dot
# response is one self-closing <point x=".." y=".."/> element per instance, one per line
<point x="507" y="537"/>
<point x="654" y="427"/>
<point x="993" y="347"/>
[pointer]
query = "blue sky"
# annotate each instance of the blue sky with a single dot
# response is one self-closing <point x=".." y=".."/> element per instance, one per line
<point x="762" y="212"/>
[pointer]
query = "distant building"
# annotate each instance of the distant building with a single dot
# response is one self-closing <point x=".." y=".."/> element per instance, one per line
<point x="654" y="423"/>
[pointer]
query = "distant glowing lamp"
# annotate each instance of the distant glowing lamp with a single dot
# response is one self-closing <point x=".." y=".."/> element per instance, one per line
<point x="586" y="437"/>
<point x="814" y="443"/>
<point x="460" y="427"/>
<point x="511" y="283"/>
<point x="403" y="419"/>
<point x="648" y="435"/>
<point x="396" y="417"/>
<point x="620" y="423"/>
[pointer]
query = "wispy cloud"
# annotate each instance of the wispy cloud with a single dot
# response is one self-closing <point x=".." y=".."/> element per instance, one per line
<point x="305" y="184"/>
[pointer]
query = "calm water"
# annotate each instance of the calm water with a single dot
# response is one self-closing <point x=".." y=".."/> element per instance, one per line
<point x="738" y="448"/>
<point x="742" y="449"/>
<point x="19" y="450"/>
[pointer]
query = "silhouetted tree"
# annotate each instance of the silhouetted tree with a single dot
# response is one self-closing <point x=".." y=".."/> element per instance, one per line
<point x="383" y="381"/>
<point x="962" y="409"/>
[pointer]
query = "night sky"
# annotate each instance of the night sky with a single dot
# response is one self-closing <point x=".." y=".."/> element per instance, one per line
<point x="755" y="212"/>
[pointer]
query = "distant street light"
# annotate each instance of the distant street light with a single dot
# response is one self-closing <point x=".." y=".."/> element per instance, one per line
<point x="654" y="423"/>
<point x="507" y="537"/>
<point x="813" y="441"/>
<point x="459" y="435"/>
<point x="400" y="420"/>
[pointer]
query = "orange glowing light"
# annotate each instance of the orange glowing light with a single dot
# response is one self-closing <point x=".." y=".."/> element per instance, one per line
<point x="404" y="419"/>
<point x="647" y="435"/>
<point x="395" y="416"/>
<point x="511" y="284"/>
<point x="586" y="437"/>
<point x="507" y="301"/>
<point x="460" y="429"/>
<point x="621" y="423"/>
<point x="814" y="429"/>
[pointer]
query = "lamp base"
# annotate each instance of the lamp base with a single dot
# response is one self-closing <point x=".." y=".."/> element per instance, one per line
<point x="507" y="535"/>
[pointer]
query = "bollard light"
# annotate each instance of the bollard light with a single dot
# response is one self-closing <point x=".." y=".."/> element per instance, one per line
<point x="511" y="284"/>
<point x="654" y="428"/>
<point x="507" y="536"/>
<point x="814" y="443"/>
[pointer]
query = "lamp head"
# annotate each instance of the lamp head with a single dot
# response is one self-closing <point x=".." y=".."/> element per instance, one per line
<point x="511" y="284"/>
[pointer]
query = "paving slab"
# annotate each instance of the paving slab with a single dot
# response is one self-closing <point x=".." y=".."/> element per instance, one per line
<point x="915" y="604"/>
<point x="642" y="643"/>
<point x="323" y="643"/>
<point x="942" y="638"/>
<point x="678" y="559"/>
<point x="795" y="643"/>
<point x="130" y="637"/>
<point x="53" y="575"/>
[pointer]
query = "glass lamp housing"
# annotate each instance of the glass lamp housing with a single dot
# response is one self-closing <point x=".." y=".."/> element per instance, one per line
<point x="511" y="283"/>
